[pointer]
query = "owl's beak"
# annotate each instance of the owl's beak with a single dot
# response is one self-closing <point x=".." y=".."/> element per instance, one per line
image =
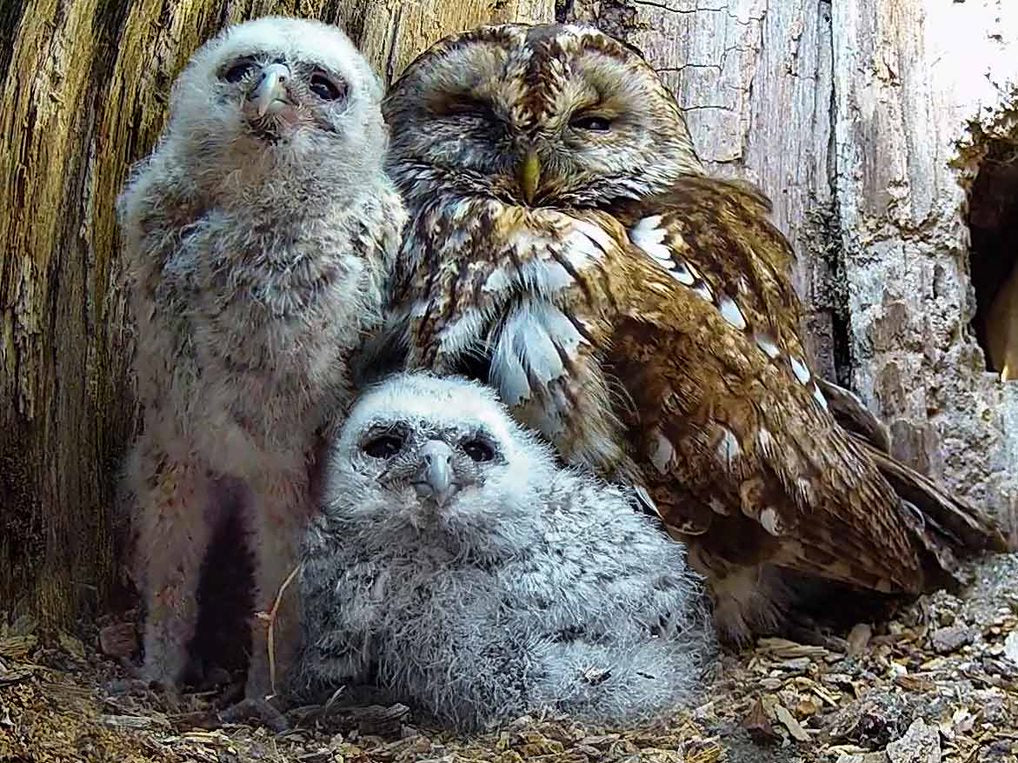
<point x="529" y="175"/>
<point x="435" y="478"/>
<point x="269" y="95"/>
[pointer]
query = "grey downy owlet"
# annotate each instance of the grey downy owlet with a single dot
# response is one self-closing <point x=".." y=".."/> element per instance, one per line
<point x="457" y="568"/>
<point x="257" y="237"/>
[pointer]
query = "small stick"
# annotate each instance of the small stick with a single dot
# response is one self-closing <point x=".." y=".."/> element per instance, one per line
<point x="270" y="617"/>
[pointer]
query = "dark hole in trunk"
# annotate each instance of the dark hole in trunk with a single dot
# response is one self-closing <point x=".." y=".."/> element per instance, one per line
<point x="993" y="222"/>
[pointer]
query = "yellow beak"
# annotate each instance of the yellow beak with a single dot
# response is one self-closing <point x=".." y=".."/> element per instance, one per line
<point x="529" y="175"/>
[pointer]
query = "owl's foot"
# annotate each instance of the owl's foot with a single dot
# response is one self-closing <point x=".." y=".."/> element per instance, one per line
<point x="259" y="711"/>
<point x="806" y="630"/>
<point x="130" y="685"/>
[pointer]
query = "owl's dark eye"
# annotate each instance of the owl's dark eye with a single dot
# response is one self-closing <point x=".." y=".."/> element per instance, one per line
<point x="384" y="445"/>
<point x="238" y="69"/>
<point x="592" y="123"/>
<point x="327" y="88"/>
<point x="478" y="449"/>
<point x="469" y="107"/>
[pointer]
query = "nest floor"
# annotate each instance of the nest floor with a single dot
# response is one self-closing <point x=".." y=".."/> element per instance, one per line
<point x="938" y="681"/>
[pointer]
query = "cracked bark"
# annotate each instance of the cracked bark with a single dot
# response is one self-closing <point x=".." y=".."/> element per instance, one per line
<point x="848" y="123"/>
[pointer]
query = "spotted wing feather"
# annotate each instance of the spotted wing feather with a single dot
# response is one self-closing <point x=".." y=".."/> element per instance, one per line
<point x="746" y="438"/>
<point x="721" y="231"/>
<point x="700" y="217"/>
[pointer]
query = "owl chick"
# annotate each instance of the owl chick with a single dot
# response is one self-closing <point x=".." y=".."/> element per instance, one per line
<point x="456" y="568"/>
<point x="566" y="247"/>
<point x="257" y="238"/>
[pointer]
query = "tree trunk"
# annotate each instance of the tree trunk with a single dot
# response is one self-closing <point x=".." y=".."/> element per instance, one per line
<point x="848" y="115"/>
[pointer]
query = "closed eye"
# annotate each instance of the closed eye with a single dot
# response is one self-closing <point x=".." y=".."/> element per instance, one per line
<point x="468" y="106"/>
<point x="591" y="122"/>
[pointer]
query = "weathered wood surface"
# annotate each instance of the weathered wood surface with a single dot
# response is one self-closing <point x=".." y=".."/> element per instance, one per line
<point x="847" y="114"/>
<point x="912" y="75"/>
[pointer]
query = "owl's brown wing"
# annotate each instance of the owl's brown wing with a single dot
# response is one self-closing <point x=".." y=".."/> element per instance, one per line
<point x="686" y="228"/>
<point x="738" y="449"/>
<point x="719" y="231"/>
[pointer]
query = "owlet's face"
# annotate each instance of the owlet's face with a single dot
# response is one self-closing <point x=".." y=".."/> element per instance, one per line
<point x="425" y="462"/>
<point x="545" y="115"/>
<point x="279" y="87"/>
<point x="431" y="454"/>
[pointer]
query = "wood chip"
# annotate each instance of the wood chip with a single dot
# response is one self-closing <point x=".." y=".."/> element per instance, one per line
<point x="133" y="721"/>
<point x="920" y="744"/>
<point x="952" y="638"/>
<point x="788" y="721"/>
<point x="1011" y="647"/>
<point x="758" y="724"/>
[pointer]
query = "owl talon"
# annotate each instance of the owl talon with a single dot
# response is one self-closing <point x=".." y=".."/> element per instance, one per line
<point x="260" y="711"/>
<point x="120" y="687"/>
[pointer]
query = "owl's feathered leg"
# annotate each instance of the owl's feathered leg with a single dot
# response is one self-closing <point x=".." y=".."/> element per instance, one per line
<point x="173" y="537"/>
<point x="748" y="600"/>
<point x="280" y="507"/>
<point x="283" y="507"/>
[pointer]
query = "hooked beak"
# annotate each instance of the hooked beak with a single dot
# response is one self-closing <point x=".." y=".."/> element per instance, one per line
<point x="270" y="94"/>
<point x="528" y="174"/>
<point x="434" y="479"/>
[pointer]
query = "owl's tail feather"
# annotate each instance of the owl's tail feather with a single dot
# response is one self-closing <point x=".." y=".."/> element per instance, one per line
<point x="945" y="524"/>
<point x="850" y="412"/>
<point x="966" y="528"/>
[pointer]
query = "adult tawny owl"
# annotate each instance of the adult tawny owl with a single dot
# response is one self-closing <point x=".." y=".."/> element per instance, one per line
<point x="565" y="245"/>
<point x="257" y="236"/>
<point x="457" y="568"/>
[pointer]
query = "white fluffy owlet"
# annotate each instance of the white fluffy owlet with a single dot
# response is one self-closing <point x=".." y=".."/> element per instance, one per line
<point x="257" y="238"/>
<point x="456" y="568"/>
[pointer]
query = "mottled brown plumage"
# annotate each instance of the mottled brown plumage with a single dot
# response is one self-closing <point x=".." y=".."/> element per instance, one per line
<point x="566" y="246"/>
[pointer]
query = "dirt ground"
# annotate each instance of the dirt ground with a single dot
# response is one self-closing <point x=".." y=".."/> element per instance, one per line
<point x="937" y="682"/>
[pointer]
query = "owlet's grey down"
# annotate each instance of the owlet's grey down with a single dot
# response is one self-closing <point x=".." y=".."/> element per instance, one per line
<point x="258" y="235"/>
<point x="457" y="569"/>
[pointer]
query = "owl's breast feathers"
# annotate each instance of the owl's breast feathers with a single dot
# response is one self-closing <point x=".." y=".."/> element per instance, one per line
<point x="677" y="314"/>
<point x="467" y="263"/>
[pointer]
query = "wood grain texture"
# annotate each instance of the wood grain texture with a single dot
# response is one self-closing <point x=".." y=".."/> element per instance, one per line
<point x="393" y="33"/>
<point x="916" y="81"/>
<point x="84" y="85"/>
